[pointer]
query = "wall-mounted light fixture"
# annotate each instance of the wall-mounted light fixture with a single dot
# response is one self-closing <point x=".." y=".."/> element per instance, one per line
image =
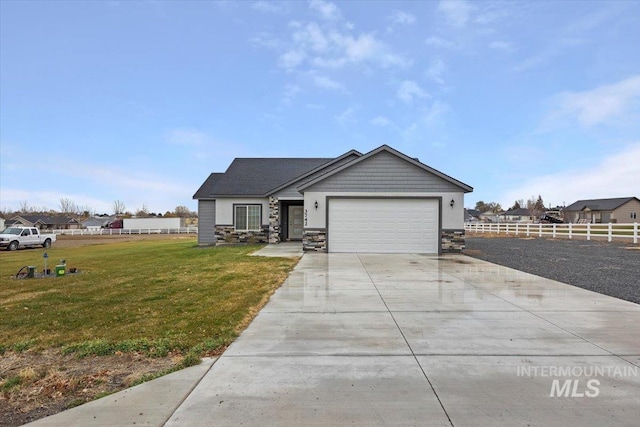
<point x="316" y="205"/>
<point x="453" y="202"/>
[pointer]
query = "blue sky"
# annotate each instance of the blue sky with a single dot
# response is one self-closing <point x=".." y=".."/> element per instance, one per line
<point x="140" y="101"/>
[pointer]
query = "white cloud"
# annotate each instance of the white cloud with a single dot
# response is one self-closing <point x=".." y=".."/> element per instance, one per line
<point x="323" y="45"/>
<point x="381" y="121"/>
<point x="265" y="40"/>
<point x="608" y="104"/>
<point x="400" y="17"/>
<point x="347" y="116"/>
<point x="324" y="82"/>
<point x="435" y="112"/>
<point x="291" y="59"/>
<point x="456" y="12"/>
<point x="267" y="7"/>
<point x="439" y="42"/>
<point x="190" y="137"/>
<point x="290" y="93"/>
<point x="502" y="45"/>
<point x="615" y="176"/>
<point x="436" y="70"/>
<point x="327" y="10"/>
<point x="410" y="90"/>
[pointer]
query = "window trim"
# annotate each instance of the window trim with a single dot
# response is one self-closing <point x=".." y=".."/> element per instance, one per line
<point x="247" y="205"/>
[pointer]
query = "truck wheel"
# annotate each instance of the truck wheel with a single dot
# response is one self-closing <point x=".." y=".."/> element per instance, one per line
<point x="47" y="243"/>
<point x="13" y="246"/>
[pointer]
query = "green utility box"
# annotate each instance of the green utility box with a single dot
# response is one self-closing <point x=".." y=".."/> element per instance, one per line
<point x="60" y="270"/>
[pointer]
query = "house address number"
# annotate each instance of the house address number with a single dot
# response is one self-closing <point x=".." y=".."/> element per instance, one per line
<point x="306" y="219"/>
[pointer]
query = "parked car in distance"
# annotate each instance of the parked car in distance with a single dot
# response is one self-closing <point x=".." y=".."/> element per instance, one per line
<point x="550" y="219"/>
<point x="14" y="237"/>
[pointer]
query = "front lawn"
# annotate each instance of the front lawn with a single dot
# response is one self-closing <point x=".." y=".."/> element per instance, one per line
<point x="163" y="298"/>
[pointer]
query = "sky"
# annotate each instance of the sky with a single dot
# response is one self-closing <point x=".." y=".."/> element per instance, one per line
<point x="139" y="101"/>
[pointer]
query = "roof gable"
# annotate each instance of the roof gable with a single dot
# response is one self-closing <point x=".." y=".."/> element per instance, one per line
<point x="326" y="167"/>
<point x="385" y="163"/>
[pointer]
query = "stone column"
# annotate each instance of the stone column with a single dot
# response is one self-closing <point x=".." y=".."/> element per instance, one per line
<point x="274" y="220"/>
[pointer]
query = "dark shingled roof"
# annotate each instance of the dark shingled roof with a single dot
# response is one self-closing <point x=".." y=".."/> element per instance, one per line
<point x="519" y="211"/>
<point x="205" y="189"/>
<point x="599" y="204"/>
<point x="256" y="177"/>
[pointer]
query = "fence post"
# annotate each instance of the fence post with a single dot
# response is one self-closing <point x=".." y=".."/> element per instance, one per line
<point x="554" y="230"/>
<point x="635" y="232"/>
<point x="507" y="229"/>
<point x="540" y="230"/>
<point x="609" y="237"/>
<point x="516" y="228"/>
<point x="528" y="229"/>
<point x="588" y="231"/>
<point x="570" y="231"/>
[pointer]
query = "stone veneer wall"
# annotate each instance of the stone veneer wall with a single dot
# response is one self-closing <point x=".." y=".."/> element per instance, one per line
<point x="314" y="240"/>
<point x="228" y="234"/>
<point x="452" y="241"/>
<point x="274" y="220"/>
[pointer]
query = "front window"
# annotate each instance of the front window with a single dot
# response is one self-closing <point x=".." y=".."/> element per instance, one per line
<point x="634" y="215"/>
<point x="247" y="217"/>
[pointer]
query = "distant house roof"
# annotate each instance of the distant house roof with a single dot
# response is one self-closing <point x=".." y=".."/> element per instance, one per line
<point x="599" y="204"/>
<point x="32" y="220"/>
<point x="517" y="212"/>
<point x="473" y="212"/>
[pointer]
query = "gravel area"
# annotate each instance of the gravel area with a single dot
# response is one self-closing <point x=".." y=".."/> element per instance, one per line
<point x="608" y="268"/>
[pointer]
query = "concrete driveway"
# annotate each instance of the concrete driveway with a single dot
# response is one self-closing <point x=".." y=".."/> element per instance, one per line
<point x="422" y="340"/>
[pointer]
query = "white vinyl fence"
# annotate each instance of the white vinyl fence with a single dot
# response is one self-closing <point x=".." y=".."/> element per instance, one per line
<point x="119" y="231"/>
<point x="579" y="231"/>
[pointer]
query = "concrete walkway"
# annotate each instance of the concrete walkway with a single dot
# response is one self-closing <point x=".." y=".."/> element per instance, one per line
<point x="284" y="249"/>
<point x="410" y="340"/>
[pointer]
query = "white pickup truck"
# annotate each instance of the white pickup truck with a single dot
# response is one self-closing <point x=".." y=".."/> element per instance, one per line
<point x="14" y="237"/>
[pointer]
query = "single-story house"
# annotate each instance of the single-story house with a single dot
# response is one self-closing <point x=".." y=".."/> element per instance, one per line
<point x="45" y="222"/>
<point x="2" y="224"/>
<point x="97" y="222"/>
<point x="383" y="201"/>
<point x="617" y="210"/>
<point x="517" y="215"/>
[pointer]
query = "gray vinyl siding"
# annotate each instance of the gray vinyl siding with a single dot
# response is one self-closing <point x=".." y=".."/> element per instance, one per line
<point x="384" y="172"/>
<point x="206" y="222"/>
<point x="291" y="191"/>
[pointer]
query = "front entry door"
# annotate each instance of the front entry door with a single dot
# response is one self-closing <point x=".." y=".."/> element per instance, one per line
<point x="295" y="222"/>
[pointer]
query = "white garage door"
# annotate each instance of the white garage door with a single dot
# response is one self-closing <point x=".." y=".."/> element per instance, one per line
<point x="383" y="225"/>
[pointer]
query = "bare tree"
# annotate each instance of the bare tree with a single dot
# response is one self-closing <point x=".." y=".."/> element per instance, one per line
<point x="68" y="206"/>
<point x="182" y="211"/>
<point x="143" y="212"/>
<point x="118" y="207"/>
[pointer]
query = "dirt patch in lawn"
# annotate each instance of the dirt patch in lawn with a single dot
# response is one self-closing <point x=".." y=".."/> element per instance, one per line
<point x="37" y="384"/>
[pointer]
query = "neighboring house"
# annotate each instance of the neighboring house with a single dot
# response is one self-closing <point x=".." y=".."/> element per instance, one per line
<point x="97" y="222"/>
<point x="45" y="222"/>
<point x="488" y="217"/>
<point x="382" y="201"/>
<point x="618" y="210"/>
<point x="471" y="215"/>
<point x="1" y="223"/>
<point x="517" y="215"/>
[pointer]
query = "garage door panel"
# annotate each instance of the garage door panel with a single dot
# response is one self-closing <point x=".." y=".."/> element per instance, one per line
<point x="383" y="225"/>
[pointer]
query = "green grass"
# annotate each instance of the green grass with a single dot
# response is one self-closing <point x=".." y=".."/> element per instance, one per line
<point x="152" y="297"/>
